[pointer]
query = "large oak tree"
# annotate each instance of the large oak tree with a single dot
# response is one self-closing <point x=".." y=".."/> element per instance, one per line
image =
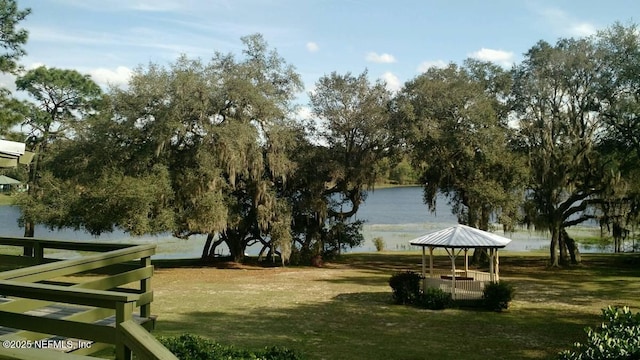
<point x="193" y="148"/>
<point x="557" y="103"/>
<point x="455" y="123"/>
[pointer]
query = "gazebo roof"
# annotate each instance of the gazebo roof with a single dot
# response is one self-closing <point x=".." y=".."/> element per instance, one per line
<point x="461" y="236"/>
<point x="5" y="180"/>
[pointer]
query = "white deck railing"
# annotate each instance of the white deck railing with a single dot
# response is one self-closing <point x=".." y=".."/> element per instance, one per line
<point x="469" y="285"/>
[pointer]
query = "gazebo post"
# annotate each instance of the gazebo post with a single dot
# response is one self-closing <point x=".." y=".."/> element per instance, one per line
<point x="492" y="274"/>
<point x="430" y="261"/>
<point x="452" y="256"/>
<point x="466" y="262"/>
<point x="497" y="267"/>
<point x="424" y="261"/>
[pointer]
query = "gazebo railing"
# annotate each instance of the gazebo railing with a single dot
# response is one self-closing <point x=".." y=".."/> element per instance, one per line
<point x="469" y="284"/>
<point x="464" y="289"/>
<point x="474" y="274"/>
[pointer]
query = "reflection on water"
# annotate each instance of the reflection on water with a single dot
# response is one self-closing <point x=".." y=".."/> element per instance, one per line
<point x="398" y="215"/>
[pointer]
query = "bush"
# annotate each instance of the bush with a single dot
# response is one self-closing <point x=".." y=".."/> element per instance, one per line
<point x="405" y="287"/>
<point x="435" y="299"/>
<point x="378" y="242"/>
<point x="497" y="296"/>
<point x="191" y="347"/>
<point x="618" y="337"/>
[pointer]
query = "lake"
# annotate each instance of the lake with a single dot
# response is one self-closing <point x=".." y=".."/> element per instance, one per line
<point x="395" y="214"/>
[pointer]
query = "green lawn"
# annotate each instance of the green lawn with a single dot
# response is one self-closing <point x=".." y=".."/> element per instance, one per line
<point x="6" y="199"/>
<point x="344" y="311"/>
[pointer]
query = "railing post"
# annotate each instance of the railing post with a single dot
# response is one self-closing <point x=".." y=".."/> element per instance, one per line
<point x="124" y="312"/>
<point x="27" y="251"/>
<point x="38" y="252"/>
<point x="145" y="286"/>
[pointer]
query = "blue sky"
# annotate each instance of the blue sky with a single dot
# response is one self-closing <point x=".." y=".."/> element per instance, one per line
<point x="394" y="40"/>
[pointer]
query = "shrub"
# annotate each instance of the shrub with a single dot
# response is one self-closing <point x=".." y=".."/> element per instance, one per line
<point x="435" y="299"/>
<point x="378" y="242"/>
<point x="497" y="296"/>
<point x="191" y="347"/>
<point x="405" y="287"/>
<point x="618" y="337"/>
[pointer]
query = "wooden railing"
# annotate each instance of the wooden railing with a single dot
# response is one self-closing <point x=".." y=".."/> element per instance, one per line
<point x="475" y="274"/>
<point x="469" y="285"/>
<point x="96" y="296"/>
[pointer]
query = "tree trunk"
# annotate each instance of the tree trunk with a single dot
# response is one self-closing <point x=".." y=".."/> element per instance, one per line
<point x="553" y="248"/>
<point x="236" y="246"/>
<point x="28" y="232"/>
<point x="480" y="257"/>
<point x="212" y="252"/>
<point x="29" y="225"/>
<point x="484" y="219"/>
<point x="562" y="245"/>
<point x="574" y="252"/>
<point x="207" y="245"/>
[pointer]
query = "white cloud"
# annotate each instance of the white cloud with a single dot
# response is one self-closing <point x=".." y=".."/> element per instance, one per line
<point x="155" y="5"/>
<point x="393" y="82"/>
<point x="170" y="45"/>
<point x="312" y="47"/>
<point x="303" y="113"/>
<point x="310" y="90"/>
<point x="107" y="77"/>
<point x="583" y="29"/>
<point x="565" y="24"/>
<point x="426" y="65"/>
<point x="500" y="57"/>
<point x="139" y="5"/>
<point x="34" y="65"/>
<point x="8" y="81"/>
<point x="380" y="58"/>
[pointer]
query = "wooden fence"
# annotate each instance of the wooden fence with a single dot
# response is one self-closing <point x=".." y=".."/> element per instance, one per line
<point x="78" y="306"/>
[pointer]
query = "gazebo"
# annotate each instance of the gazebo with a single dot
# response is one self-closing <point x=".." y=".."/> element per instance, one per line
<point x="462" y="283"/>
<point x="7" y="182"/>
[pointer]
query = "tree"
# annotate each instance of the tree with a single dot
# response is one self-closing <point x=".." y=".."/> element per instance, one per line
<point x="355" y="135"/>
<point x="11" y="38"/>
<point x="12" y="112"/>
<point x="620" y="88"/>
<point x="212" y="141"/>
<point x="64" y="98"/>
<point x="456" y="128"/>
<point x="355" y="128"/>
<point x="620" y="46"/>
<point x="557" y="104"/>
<point x="11" y="41"/>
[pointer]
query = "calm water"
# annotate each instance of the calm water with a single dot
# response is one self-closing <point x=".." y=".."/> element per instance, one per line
<point x="395" y="214"/>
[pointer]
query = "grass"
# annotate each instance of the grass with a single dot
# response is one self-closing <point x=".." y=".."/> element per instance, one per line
<point x="344" y="311"/>
<point x="6" y="199"/>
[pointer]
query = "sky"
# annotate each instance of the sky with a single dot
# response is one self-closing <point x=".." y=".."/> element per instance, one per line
<point x="394" y="40"/>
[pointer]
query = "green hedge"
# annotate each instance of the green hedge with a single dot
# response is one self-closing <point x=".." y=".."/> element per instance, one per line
<point x="405" y="287"/>
<point x="497" y="296"/>
<point x="191" y="347"/>
<point x="435" y="299"/>
<point x="618" y="337"/>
